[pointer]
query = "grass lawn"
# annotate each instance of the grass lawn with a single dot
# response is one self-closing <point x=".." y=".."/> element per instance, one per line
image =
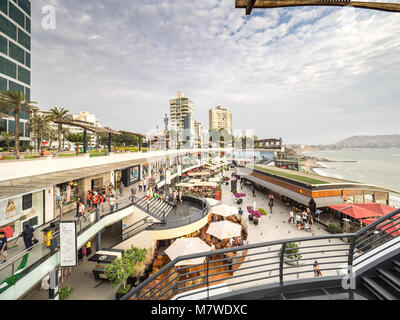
<point x="67" y="155"/>
<point x="292" y="176"/>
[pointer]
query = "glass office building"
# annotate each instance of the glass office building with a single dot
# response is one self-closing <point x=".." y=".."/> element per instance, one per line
<point x="15" y="57"/>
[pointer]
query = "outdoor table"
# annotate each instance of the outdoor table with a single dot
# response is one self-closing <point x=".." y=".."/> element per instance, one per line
<point x="102" y="258"/>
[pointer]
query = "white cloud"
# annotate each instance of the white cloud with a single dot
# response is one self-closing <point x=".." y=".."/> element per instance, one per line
<point x="295" y="73"/>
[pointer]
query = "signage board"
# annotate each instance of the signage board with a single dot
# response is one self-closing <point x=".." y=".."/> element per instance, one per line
<point x="68" y="244"/>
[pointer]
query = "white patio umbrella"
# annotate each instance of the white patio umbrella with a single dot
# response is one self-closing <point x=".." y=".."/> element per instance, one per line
<point x="224" y="210"/>
<point x="184" y="246"/>
<point x="212" y="202"/>
<point x="224" y="230"/>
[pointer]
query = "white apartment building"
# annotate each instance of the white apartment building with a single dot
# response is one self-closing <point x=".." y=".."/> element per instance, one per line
<point x="198" y="132"/>
<point x="180" y="108"/>
<point x="220" y="118"/>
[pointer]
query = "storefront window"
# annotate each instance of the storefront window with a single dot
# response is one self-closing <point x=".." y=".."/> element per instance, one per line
<point x="21" y="210"/>
<point x="68" y="191"/>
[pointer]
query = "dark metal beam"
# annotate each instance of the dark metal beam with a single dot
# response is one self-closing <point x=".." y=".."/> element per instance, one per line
<point x="250" y="6"/>
<point x="381" y="6"/>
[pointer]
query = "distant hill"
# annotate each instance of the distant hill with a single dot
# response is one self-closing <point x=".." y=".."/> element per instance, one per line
<point x="381" y="141"/>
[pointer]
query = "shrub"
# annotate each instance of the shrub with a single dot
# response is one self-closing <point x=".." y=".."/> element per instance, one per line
<point x="334" y="228"/>
<point x="291" y="251"/>
<point x="263" y="211"/>
<point x="65" y="292"/>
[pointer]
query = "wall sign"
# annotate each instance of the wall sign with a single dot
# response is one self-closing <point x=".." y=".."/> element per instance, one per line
<point x="68" y="244"/>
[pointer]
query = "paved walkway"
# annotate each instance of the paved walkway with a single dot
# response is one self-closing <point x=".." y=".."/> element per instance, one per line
<point x="272" y="227"/>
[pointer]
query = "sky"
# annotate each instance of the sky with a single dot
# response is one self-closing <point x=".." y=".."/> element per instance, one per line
<point x="311" y="75"/>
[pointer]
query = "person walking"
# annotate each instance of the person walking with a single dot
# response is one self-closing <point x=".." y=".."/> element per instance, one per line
<point x="291" y="217"/>
<point x="82" y="211"/>
<point x="254" y="191"/>
<point x="28" y="235"/>
<point x="88" y="246"/>
<point x="89" y="199"/>
<point x="112" y="201"/>
<point x="121" y="187"/>
<point x="317" y="270"/>
<point x="133" y="194"/>
<point x="78" y="200"/>
<point x="3" y="246"/>
<point x="180" y="196"/>
<point x="240" y="211"/>
<point x="271" y="204"/>
<point x="298" y="220"/>
<point x="95" y="199"/>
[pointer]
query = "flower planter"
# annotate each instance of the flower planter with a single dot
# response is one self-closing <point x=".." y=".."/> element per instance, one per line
<point x="239" y="201"/>
<point x="251" y="217"/>
<point x="255" y="220"/>
<point x="292" y="263"/>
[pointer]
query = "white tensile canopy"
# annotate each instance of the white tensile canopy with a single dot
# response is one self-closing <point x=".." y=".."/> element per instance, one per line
<point x="225" y="210"/>
<point x="225" y="230"/>
<point x="184" y="246"/>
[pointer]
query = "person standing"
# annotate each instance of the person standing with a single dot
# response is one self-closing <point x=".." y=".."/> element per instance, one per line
<point x="89" y="199"/>
<point x="180" y="196"/>
<point x="3" y="246"/>
<point x="88" y="248"/>
<point x="254" y="191"/>
<point x="240" y="211"/>
<point x="95" y="199"/>
<point x="82" y="211"/>
<point x="291" y="218"/>
<point x="113" y="200"/>
<point x="133" y="194"/>
<point x="78" y="201"/>
<point x="271" y="204"/>
<point x="317" y="270"/>
<point x="28" y="235"/>
<point x="121" y="187"/>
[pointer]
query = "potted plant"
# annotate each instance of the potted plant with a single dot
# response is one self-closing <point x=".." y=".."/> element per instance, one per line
<point x="292" y="255"/>
<point x="263" y="211"/>
<point x="256" y="216"/>
<point x="118" y="273"/>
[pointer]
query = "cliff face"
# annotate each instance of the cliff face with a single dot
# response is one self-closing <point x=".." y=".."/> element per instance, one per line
<point x="381" y="141"/>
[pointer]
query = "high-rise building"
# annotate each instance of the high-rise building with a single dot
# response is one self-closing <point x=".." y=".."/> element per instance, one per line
<point x="198" y="132"/>
<point x="220" y="118"/>
<point x="180" y="108"/>
<point x="15" y="57"/>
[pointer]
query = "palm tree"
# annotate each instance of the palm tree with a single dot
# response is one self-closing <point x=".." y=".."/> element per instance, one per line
<point x="77" y="138"/>
<point x="15" y="102"/>
<point x="6" y="137"/>
<point x="39" y="126"/>
<point x="51" y="135"/>
<point x="57" y="114"/>
<point x="65" y="132"/>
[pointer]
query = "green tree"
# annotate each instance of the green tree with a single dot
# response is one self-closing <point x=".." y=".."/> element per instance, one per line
<point x="39" y="127"/>
<point x="15" y="102"/>
<point x="77" y="139"/>
<point x="6" y="137"/>
<point x="57" y="114"/>
<point x="65" y="132"/>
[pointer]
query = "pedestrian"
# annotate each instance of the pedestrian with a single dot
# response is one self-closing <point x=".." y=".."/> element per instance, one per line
<point x="140" y="186"/>
<point x="121" y="187"/>
<point x="88" y="248"/>
<point x="180" y="196"/>
<point x="3" y="246"/>
<point x="133" y="194"/>
<point x="112" y="201"/>
<point x="291" y="218"/>
<point x="51" y="238"/>
<point x="82" y="210"/>
<point x="317" y="271"/>
<point x="240" y="211"/>
<point x="305" y="217"/>
<point x="298" y="220"/>
<point x="89" y="199"/>
<point x="95" y="199"/>
<point x="271" y="204"/>
<point x="254" y="191"/>
<point x="78" y="200"/>
<point x="28" y="235"/>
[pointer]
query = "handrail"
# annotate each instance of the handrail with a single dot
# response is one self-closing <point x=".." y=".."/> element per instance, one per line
<point x="349" y="253"/>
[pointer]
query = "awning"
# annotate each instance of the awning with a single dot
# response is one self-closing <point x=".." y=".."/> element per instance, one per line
<point x="281" y="190"/>
<point x="328" y="201"/>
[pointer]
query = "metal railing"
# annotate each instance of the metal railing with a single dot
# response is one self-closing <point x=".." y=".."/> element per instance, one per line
<point x="267" y="262"/>
<point x="42" y="250"/>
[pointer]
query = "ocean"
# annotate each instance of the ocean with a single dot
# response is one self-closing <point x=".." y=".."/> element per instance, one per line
<point x="380" y="167"/>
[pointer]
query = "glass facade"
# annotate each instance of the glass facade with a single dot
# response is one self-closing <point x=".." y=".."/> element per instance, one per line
<point x="15" y="54"/>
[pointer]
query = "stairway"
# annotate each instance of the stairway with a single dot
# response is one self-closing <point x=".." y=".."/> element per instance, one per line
<point x="156" y="207"/>
<point x="385" y="284"/>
